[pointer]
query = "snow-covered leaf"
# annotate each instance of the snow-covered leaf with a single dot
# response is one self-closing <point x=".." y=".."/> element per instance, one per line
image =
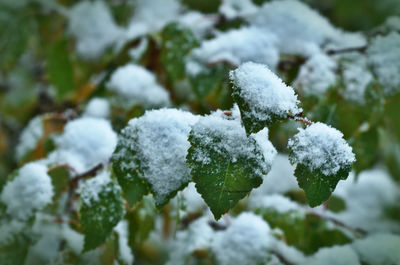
<point x="101" y="209"/>
<point x="262" y="97"/>
<point x="226" y="164"/>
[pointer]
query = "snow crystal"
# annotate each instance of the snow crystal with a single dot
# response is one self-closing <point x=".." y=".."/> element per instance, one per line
<point x="379" y="249"/>
<point x="29" y="191"/>
<point x="246" y="241"/>
<point x="356" y="77"/>
<point x="384" y="57"/>
<point x="238" y="46"/>
<point x="92" y="25"/>
<point x="263" y="92"/>
<point x="97" y="108"/>
<point x="85" y="143"/>
<point x="136" y="85"/>
<point x="337" y="255"/>
<point x="198" y="236"/>
<point x="29" y="137"/>
<point x="94" y="186"/>
<point x="317" y="75"/>
<point x="232" y="9"/>
<point x="161" y="146"/>
<point x="321" y="147"/>
<point x="300" y="30"/>
<point x="125" y="253"/>
<point x="235" y="143"/>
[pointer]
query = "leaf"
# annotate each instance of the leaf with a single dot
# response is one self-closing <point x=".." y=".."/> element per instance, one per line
<point x="177" y="42"/>
<point x="317" y="186"/>
<point x="306" y="232"/>
<point x="205" y="82"/>
<point x="59" y="68"/>
<point x="15" y="252"/>
<point x="14" y="32"/>
<point x="130" y="178"/>
<point x="224" y="163"/>
<point x="100" y="215"/>
<point x="365" y="147"/>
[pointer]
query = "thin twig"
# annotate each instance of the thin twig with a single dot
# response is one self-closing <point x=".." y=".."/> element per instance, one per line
<point x="361" y="49"/>
<point x="340" y="223"/>
<point x="301" y="119"/>
<point x="282" y="258"/>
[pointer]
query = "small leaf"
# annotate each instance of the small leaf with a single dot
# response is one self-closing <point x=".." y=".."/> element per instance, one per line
<point x="262" y="97"/>
<point x="317" y="186"/>
<point x="130" y="178"/>
<point x="177" y="42"/>
<point x="101" y="209"/>
<point x="224" y="163"/>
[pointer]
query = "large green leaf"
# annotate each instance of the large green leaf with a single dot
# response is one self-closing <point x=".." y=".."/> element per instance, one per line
<point x="100" y="214"/>
<point x="317" y="186"/>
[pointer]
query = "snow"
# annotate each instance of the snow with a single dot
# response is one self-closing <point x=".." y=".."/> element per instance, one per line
<point x="10" y="228"/>
<point x="30" y="191"/>
<point x="246" y="241"/>
<point x="151" y="16"/>
<point x="134" y="85"/>
<point x="321" y="147"/>
<point x="29" y="137"/>
<point x="92" y="188"/>
<point x="237" y="46"/>
<point x="279" y="180"/>
<point x="73" y="239"/>
<point x="125" y="253"/>
<point x="232" y="9"/>
<point x="384" y="57"/>
<point x="161" y="145"/>
<point x="336" y="255"/>
<point x="379" y="249"/>
<point x="317" y="75"/>
<point x="300" y="29"/>
<point x="92" y="25"/>
<point x="264" y="92"/>
<point x="366" y="200"/>
<point x="198" y="236"/>
<point x="97" y="108"/>
<point x="274" y="201"/>
<point x="356" y="77"/>
<point x="227" y="137"/>
<point x="193" y="200"/>
<point x="85" y="143"/>
<point x="200" y="24"/>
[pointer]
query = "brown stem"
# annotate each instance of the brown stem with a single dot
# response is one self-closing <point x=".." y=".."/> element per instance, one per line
<point x="361" y="49"/>
<point x="301" y="119"/>
<point x="282" y="258"/>
<point x="340" y="223"/>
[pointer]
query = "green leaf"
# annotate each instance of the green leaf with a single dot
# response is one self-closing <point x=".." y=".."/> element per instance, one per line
<point x="60" y="69"/>
<point x="15" y="252"/>
<point x="365" y="146"/>
<point x="100" y="215"/>
<point x="14" y="32"/>
<point x="317" y="186"/>
<point x="177" y="42"/>
<point x="306" y="232"/>
<point x="130" y="178"/>
<point x="232" y="170"/>
<point x="205" y="82"/>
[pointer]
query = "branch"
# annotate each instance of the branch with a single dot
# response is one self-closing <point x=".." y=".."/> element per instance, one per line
<point x="282" y="258"/>
<point x="300" y="119"/>
<point x="340" y="223"/>
<point x="361" y="49"/>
